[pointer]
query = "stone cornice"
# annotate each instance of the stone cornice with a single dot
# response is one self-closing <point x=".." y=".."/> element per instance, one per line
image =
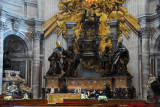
<point x="148" y="16"/>
<point x="70" y="24"/>
<point x="31" y="4"/>
<point x="31" y="1"/>
<point x="27" y="20"/>
<point x="145" y="18"/>
<point x="113" y="22"/>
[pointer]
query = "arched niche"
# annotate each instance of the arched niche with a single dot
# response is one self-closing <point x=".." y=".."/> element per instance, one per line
<point x="155" y="54"/>
<point x="19" y="34"/>
<point x="18" y="45"/>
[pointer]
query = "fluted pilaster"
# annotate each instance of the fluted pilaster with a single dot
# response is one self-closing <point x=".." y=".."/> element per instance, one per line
<point x="145" y="33"/>
<point x="36" y="64"/>
<point x="2" y="27"/>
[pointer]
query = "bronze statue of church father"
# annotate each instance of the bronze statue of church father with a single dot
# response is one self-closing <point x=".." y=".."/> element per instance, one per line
<point x="83" y="66"/>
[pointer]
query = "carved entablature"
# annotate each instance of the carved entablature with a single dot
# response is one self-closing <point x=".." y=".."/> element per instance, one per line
<point x="145" y="32"/>
<point x="19" y="23"/>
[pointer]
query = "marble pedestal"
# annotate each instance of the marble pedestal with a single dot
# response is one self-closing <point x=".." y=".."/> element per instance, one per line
<point x="89" y="84"/>
<point x="99" y="83"/>
<point x="52" y="81"/>
<point x="122" y="81"/>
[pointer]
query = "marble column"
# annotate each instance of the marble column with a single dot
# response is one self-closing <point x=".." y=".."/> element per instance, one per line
<point x="145" y="34"/>
<point x="36" y="64"/>
<point x="1" y="56"/>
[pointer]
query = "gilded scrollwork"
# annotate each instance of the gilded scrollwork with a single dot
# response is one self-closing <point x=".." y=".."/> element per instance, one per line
<point x="73" y="10"/>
